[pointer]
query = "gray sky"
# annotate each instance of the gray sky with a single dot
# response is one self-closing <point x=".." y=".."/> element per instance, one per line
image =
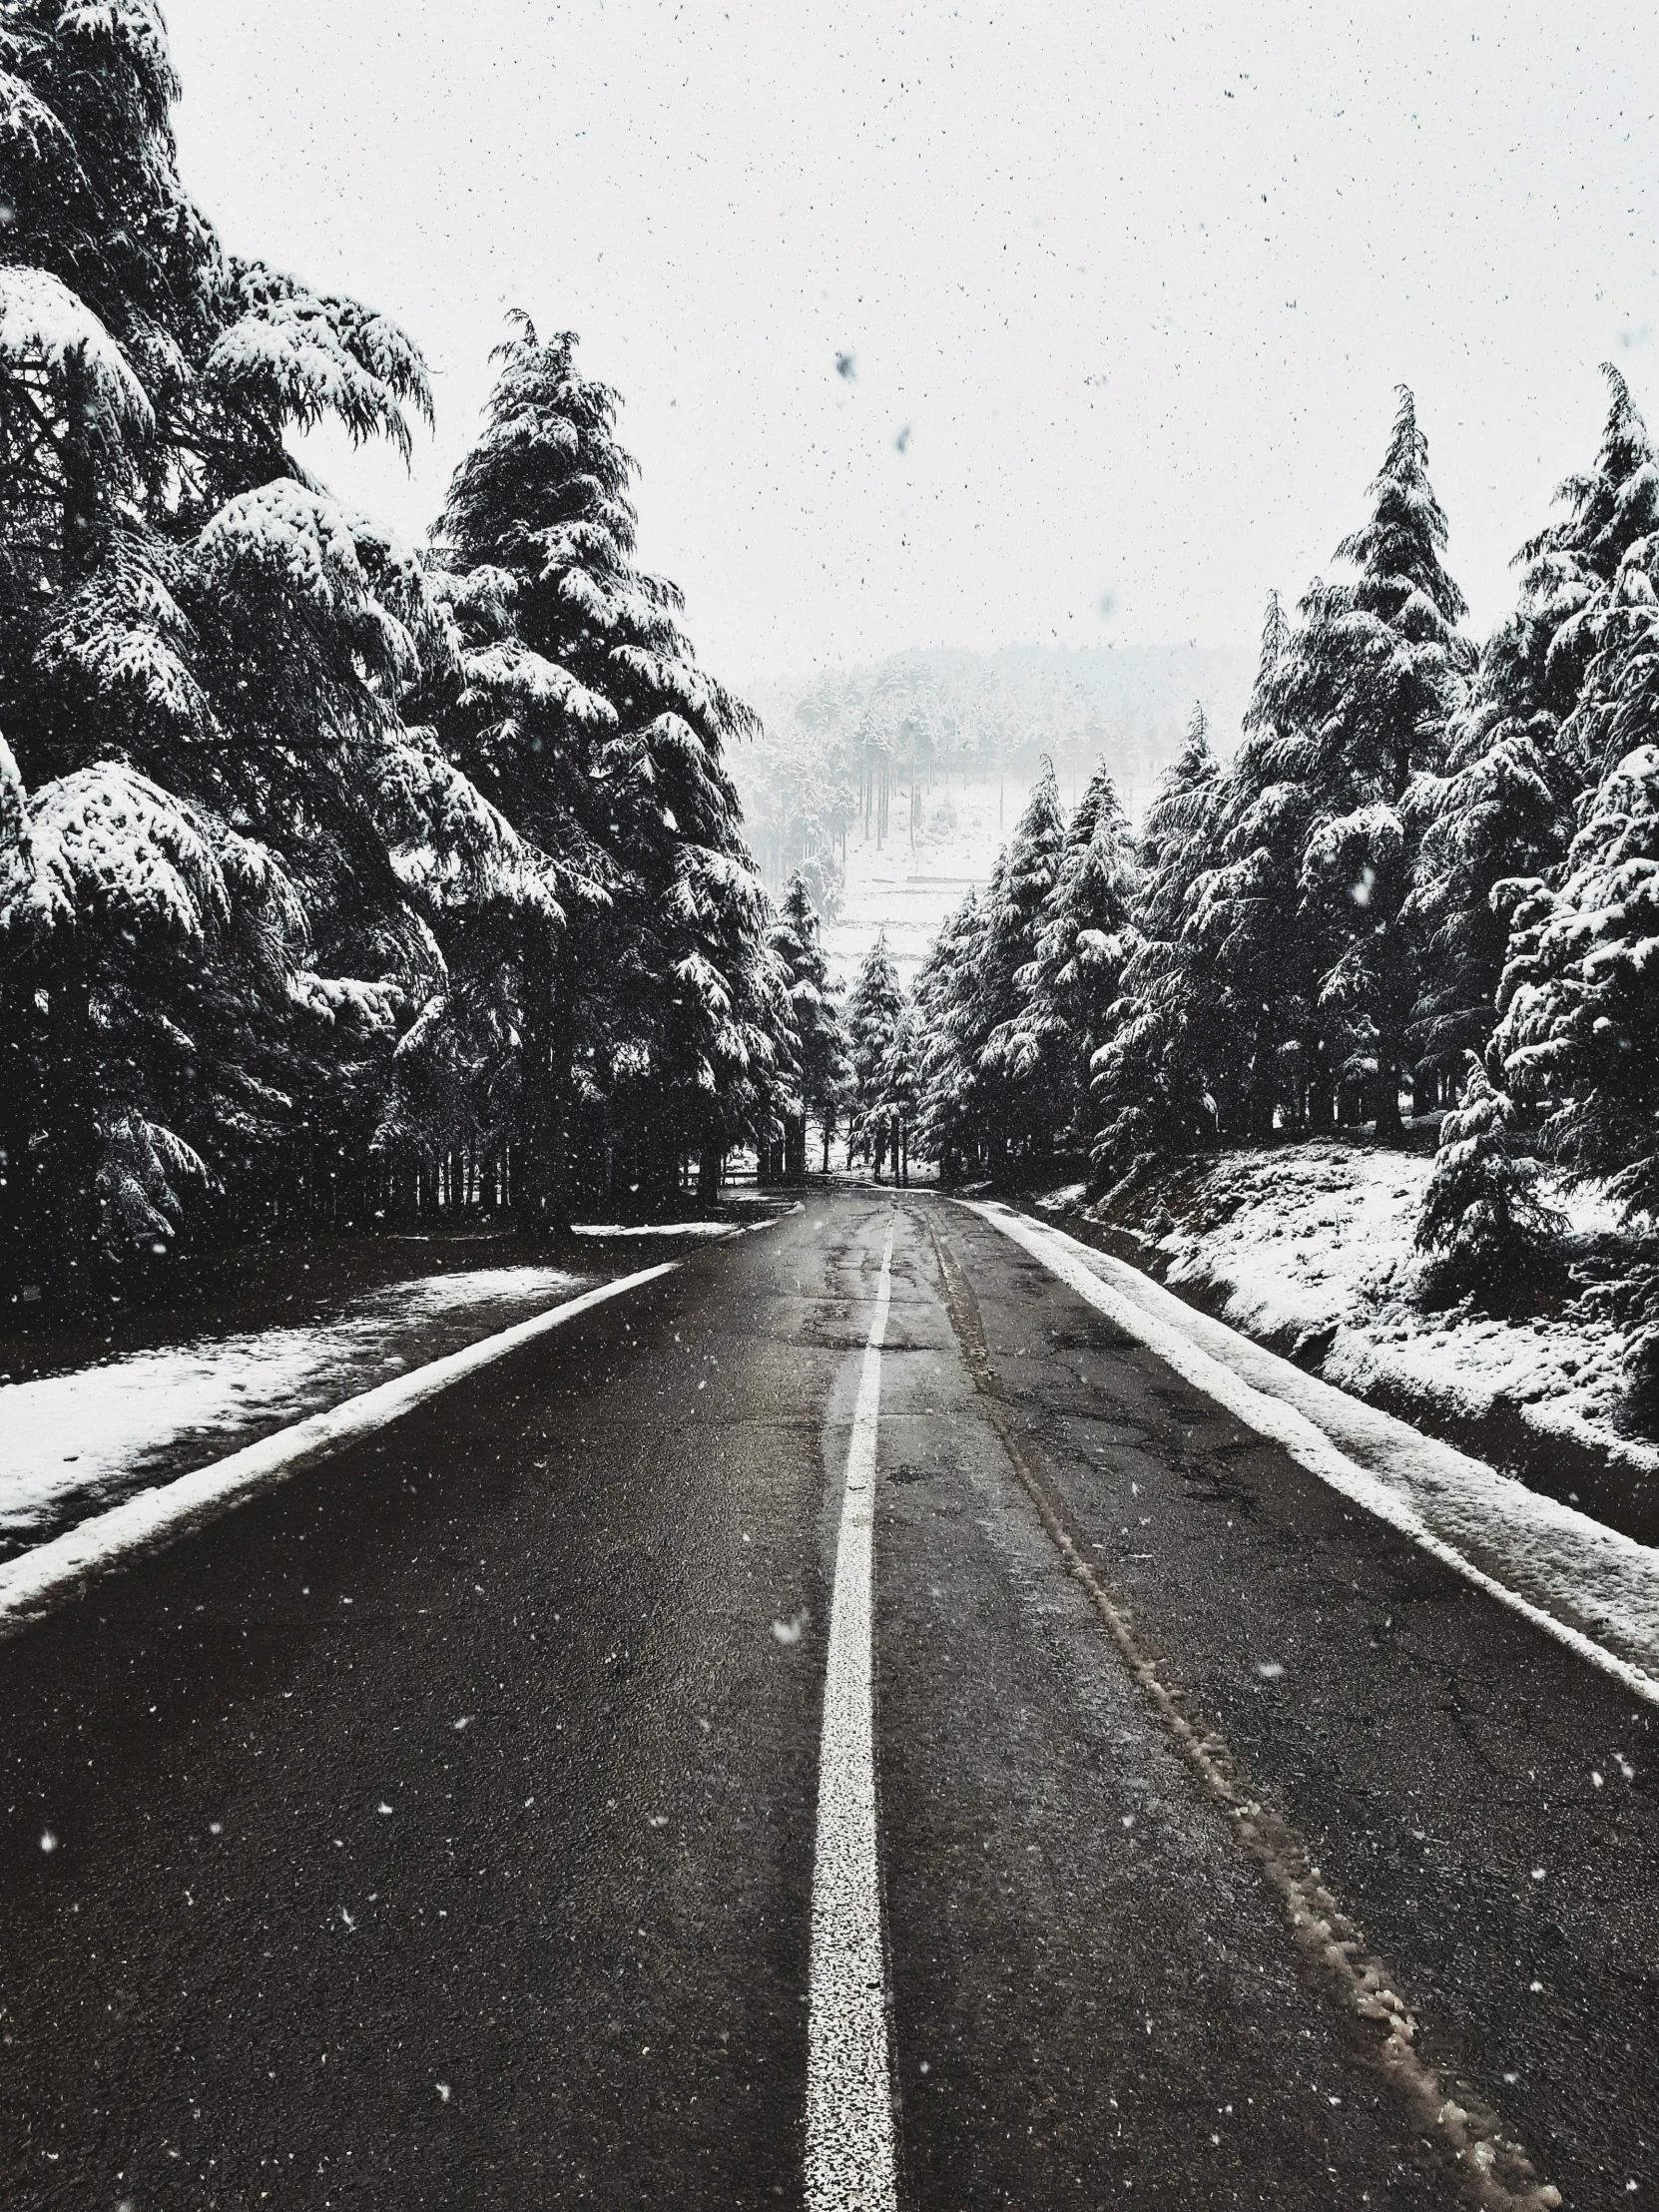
<point x="1138" y="280"/>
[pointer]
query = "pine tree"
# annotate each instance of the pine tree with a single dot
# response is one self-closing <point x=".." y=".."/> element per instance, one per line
<point x="1578" y="1036"/>
<point x="873" y="1017"/>
<point x="895" y="1115"/>
<point x="1017" y="1104"/>
<point x="1482" y="1223"/>
<point x="1246" y="918"/>
<point x="948" y="1117"/>
<point x="1086" y="938"/>
<point x="1503" y="813"/>
<point x="824" y="1070"/>
<point x="199" y="651"/>
<point x="1370" y="680"/>
<point x="580" y="710"/>
<point x="1152" y="1077"/>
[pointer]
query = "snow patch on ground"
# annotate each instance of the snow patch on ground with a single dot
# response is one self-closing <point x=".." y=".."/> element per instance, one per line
<point x="908" y="894"/>
<point x="73" y="1445"/>
<point x="654" y="1229"/>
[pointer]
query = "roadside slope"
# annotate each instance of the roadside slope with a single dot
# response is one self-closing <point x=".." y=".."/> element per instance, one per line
<point x="1307" y="1248"/>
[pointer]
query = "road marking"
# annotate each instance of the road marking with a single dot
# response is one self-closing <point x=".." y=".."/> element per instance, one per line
<point x="1302" y="1438"/>
<point x="850" y="2127"/>
<point x="56" y="1569"/>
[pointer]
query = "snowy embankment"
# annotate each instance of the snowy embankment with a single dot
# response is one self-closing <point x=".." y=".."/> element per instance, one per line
<point x="1308" y="1250"/>
<point x="1590" y="1586"/>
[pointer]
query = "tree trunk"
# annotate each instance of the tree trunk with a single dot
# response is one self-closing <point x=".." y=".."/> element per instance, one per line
<point x="794" y="1148"/>
<point x="68" y="1222"/>
<point x="1387" y="1091"/>
<point x="1263" y="1077"/>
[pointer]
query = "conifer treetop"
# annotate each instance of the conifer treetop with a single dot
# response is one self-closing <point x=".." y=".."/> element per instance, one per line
<point x="1397" y="549"/>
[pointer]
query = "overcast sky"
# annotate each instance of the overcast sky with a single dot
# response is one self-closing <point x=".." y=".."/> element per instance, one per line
<point x="1125" y="289"/>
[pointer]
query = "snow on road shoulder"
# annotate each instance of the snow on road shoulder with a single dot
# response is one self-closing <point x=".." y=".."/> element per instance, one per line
<point x="1309" y="1248"/>
<point x="30" y="1585"/>
<point x="73" y="1445"/>
<point x="1592" y="1587"/>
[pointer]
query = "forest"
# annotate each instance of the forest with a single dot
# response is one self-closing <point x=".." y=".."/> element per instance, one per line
<point x="348" y="881"/>
<point x="1419" y="894"/>
<point x="342" y="881"/>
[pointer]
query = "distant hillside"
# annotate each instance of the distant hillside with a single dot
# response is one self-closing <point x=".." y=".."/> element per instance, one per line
<point x="892" y="787"/>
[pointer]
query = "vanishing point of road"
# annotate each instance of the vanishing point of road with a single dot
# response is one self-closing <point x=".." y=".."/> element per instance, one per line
<point x="837" y="1725"/>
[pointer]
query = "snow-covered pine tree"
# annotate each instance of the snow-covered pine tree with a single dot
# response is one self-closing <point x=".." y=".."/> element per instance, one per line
<point x="178" y="606"/>
<point x="124" y="916"/>
<point x="894" y="1117"/>
<point x="948" y="1117"/>
<point x="1369" y="678"/>
<point x="1578" y="1033"/>
<point x="1578" y="1037"/>
<point x="1152" y="1076"/>
<point x="1503" y="813"/>
<point x="1245" y="907"/>
<point x="582" y="713"/>
<point x="1486" y="1229"/>
<point x="1019" y="1110"/>
<point x="1086" y="935"/>
<point x="824" y="1070"/>
<point x="872" y="1016"/>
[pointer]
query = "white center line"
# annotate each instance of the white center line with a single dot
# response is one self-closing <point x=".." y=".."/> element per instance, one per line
<point x="850" y="2130"/>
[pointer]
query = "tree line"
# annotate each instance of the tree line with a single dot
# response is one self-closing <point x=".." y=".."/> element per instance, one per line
<point x="342" y="881"/>
<point x="1427" y="878"/>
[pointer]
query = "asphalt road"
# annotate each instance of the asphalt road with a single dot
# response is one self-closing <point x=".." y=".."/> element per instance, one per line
<point x="438" y="1830"/>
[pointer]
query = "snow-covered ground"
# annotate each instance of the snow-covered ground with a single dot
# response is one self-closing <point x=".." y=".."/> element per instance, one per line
<point x="73" y="1445"/>
<point x="911" y="894"/>
<point x="1308" y="1249"/>
<point x="660" y="1229"/>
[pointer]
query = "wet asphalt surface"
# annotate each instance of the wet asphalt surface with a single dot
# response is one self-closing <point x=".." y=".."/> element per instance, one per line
<point x="437" y="1830"/>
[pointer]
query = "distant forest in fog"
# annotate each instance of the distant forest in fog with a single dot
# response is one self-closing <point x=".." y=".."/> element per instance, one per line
<point x="852" y="751"/>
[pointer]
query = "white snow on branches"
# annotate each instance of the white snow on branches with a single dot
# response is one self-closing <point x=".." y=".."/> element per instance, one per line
<point x="449" y="843"/>
<point x="139" y="1165"/>
<point x="510" y="673"/>
<point x="301" y="355"/>
<point x="112" y="850"/>
<point x="126" y="636"/>
<point x="706" y="983"/>
<point x="680" y="680"/>
<point x="45" y="326"/>
<point x="340" y="569"/>
<point x="30" y="132"/>
<point x="349" y="1001"/>
<point x="136" y="28"/>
